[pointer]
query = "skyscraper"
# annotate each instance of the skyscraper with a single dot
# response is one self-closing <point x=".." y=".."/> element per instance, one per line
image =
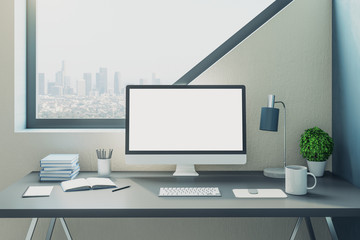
<point x="88" y="83"/>
<point x="81" y="87"/>
<point x="60" y="75"/>
<point x="117" y="84"/>
<point x="61" y="84"/>
<point x="67" y="86"/>
<point x="101" y="81"/>
<point x="54" y="90"/>
<point x="59" y="78"/>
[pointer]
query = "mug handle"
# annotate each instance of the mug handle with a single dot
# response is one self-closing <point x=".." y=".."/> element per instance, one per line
<point x="309" y="173"/>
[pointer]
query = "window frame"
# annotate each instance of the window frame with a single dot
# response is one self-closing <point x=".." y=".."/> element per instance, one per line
<point x="218" y="53"/>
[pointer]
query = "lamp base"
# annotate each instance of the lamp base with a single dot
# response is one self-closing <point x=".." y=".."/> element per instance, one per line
<point x="274" y="172"/>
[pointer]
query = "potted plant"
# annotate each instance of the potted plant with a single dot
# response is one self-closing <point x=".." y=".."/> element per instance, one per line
<point x="316" y="146"/>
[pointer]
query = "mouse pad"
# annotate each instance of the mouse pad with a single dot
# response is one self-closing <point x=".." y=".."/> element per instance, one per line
<point x="262" y="193"/>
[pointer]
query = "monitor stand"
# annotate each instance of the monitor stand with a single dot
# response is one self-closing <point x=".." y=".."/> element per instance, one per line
<point x="185" y="170"/>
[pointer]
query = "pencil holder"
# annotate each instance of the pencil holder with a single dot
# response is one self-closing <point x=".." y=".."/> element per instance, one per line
<point x="104" y="167"/>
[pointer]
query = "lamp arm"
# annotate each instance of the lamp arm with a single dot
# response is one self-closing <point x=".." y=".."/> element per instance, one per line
<point x="284" y="131"/>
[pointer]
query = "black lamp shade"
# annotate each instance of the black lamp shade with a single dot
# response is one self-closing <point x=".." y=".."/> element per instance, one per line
<point x="269" y="119"/>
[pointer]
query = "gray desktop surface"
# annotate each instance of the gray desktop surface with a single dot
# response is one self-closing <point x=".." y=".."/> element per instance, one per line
<point x="332" y="197"/>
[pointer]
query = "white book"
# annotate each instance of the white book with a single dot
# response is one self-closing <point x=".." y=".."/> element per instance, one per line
<point x="60" y="165"/>
<point x="86" y="184"/>
<point x="57" y="179"/>
<point x="56" y="172"/>
<point x="60" y="158"/>
<point x="51" y="179"/>
<point x="59" y="170"/>
<point x="59" y="174"/>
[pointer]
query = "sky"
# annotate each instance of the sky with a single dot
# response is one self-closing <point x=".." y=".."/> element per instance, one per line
<point x="137" y="37"/>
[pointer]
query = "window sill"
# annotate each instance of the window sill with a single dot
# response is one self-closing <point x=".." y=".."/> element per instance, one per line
<point x="69" y="130"/>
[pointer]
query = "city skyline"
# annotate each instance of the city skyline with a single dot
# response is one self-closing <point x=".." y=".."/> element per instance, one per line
<point x="89" y="56"/>
<point x="100" y="81"/>
<point x="93" y="96"/>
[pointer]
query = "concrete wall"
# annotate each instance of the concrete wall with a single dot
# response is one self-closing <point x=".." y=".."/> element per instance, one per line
<point x="346" y="111"/>
<point x="290" y="57"/>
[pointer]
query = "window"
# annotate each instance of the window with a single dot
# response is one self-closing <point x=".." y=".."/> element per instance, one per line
<point x="82" y="53"/>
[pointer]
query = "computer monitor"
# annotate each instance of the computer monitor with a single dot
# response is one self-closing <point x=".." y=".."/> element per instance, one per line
<point x="185" y="125"/>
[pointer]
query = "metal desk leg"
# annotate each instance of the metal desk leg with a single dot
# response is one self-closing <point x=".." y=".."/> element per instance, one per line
<point x="331" y="228"/>
<point x="296" y="228"/>
<point x="310" y="228"/>
<point x="31" y="230"/>
<point x="50" y="229"/>
<point x="66" y="230"/>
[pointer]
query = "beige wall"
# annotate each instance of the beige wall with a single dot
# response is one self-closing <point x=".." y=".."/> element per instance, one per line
<point x="290" y="56"/>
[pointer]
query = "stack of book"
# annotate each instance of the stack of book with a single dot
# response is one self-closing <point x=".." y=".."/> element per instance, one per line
<point x="59" y="167"/>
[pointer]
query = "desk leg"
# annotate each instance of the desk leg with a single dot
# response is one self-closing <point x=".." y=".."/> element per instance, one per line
<point x="331" y="228"/>
<point x="296" y="228"/>
<point x="31" y="230"/>
<point x="66" y="230"/>
<point x="50" y="229"/>
<point x="310" y="228"/>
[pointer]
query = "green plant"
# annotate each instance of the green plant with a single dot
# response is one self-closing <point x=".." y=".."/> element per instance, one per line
<point x="316" y="145"/>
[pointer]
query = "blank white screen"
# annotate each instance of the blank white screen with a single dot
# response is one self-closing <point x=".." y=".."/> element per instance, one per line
<point x="186" y="119"/>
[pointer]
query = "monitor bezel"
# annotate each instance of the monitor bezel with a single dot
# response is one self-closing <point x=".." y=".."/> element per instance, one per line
<point x="137" y="152"/>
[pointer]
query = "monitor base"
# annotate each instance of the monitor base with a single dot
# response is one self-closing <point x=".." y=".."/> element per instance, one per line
<point x="185" y="170"/>
<point x="274" y="172"/>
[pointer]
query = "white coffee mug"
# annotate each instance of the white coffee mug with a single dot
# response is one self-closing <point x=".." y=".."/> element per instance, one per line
<point x="296" y="180"/>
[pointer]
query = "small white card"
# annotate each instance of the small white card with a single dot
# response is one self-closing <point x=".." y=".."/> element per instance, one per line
<point x="38" y="191"/>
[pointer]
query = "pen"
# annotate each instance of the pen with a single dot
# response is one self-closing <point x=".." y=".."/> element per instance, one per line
<point x="120" y="188"/>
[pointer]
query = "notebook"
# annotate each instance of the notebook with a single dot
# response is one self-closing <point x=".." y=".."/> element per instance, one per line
<point x="86" y="184"/>
<point x="38" y="191"/>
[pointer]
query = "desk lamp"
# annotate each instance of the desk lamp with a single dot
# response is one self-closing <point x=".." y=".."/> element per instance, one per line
<point x="269" y="122"/>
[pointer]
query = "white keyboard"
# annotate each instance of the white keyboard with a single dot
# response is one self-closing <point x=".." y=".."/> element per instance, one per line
<point x="189" y="192"/>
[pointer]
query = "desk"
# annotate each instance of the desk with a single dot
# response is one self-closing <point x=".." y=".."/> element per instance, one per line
<point x="332" y="197"/>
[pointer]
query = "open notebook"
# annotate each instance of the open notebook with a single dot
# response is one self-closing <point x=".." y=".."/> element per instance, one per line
<point x="86" y="184"/>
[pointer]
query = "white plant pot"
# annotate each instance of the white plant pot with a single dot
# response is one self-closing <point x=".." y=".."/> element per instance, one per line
<point x="317" y="168"/>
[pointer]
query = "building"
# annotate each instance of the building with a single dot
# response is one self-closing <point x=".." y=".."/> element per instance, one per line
<point x="88" y="83"/>
<point x="81" y="88"/>
<point x="101" y="81"/>
<point x="118" y="86"/>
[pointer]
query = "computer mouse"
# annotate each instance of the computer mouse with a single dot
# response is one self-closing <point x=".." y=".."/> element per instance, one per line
<point x="253" y="191"/>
